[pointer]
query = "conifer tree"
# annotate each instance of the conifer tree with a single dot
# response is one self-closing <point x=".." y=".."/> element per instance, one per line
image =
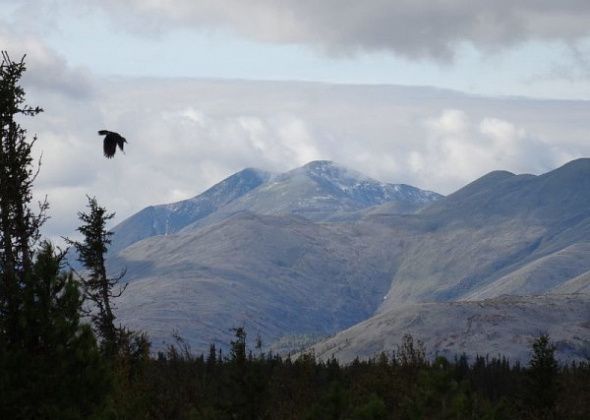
<point x="49" y="362"/>
<point x="410" y="354"/>
<point x="99" y="288"/>
<point x="19" y="225"/>
<point x="60" y="374"/>
<point x="238" y="346"/>
<point x="542" y="376"/>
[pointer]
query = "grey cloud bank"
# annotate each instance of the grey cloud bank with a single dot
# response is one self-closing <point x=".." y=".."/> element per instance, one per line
<point x="50" y="73"/>
<point x="414" y="29"/>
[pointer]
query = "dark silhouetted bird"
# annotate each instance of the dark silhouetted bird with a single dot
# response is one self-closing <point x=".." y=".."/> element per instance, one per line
<point x="111" y="141"/>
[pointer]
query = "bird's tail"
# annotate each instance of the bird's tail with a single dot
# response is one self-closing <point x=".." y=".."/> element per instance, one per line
<point x="103" y="132"/>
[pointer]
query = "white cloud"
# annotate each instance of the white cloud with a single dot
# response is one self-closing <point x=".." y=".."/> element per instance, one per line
<point x="459" y="148"/>
<point x="185" y="135"/>
<point x="47" y="70"/>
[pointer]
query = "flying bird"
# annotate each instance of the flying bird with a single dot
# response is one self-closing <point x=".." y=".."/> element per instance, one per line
<point x="111" y="141"/>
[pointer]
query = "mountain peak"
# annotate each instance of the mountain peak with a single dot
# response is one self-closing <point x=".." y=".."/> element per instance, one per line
<point x="578" y="163"/>
<point x="322" y="165"/>
<point x="319" y="164"/>
<point x="237" y="184"/>
<point x="253" y="171"/>
<point x="555" y="195"/>
<point x="165" y="219"/>
<point x="320" y="190"/>
<point x="333" y="172"/>
<point x="574" y="168"/>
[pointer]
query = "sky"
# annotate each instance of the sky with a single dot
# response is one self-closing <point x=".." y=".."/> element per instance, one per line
<point x="428" y="93"/>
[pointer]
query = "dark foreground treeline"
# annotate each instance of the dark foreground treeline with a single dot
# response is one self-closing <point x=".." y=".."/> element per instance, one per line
<point x="402" y="385"/>
<point x="62" y="355"/>
<point x="243" y="384"/>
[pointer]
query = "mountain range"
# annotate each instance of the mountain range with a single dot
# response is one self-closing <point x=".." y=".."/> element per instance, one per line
<point x="323" y="250"/>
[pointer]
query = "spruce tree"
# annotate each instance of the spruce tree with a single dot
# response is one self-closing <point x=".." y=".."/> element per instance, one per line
<point x="542" y="376"/>
<point x="49" y="362"/>
<point x="60" y="373"/>
<point x="99" y="288"/>
<point x="19" y="225"/>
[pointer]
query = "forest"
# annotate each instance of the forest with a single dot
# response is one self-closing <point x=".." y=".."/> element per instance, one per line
<point x="64" y="356"/>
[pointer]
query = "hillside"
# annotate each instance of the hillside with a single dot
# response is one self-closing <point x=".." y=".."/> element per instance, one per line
<point x="505" y="325"/>
<point x="276" y="275"/>
<point x="321" y="248"/>
<point x="491" y="236"/>
<point x="167" y="219"/>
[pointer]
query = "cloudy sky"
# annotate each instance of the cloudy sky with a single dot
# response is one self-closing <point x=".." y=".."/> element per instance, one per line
<point x="433" y="93"/>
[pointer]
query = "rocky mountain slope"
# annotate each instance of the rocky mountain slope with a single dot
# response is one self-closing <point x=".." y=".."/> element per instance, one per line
<point x="251" y="251"/>
<point x="503" y="326"/>
<point x="167" y="219"/>
<point x="321" y="248"/>
<point x="276" y="275"/>
<point x="319" y="190"/>
<point x="502" y="234"/>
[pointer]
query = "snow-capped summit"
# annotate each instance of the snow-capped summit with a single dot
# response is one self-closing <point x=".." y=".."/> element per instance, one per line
<point x="363" y="188"/>
<point x="325" y="191"/>
<point x="320" y="190"/>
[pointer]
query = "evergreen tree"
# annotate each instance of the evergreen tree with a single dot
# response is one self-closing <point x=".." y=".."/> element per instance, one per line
<point x="58" y="373"/>
<point x="49" y="362"/>
<point x="19" y="225"/>
<point x="127" y="352"/>
<point x="238" y="347"/>
<point x="542" y="376"/>
<point x="237" y="385"/>
<point x="98" y="287"/>
<point x="410" y="354"/>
